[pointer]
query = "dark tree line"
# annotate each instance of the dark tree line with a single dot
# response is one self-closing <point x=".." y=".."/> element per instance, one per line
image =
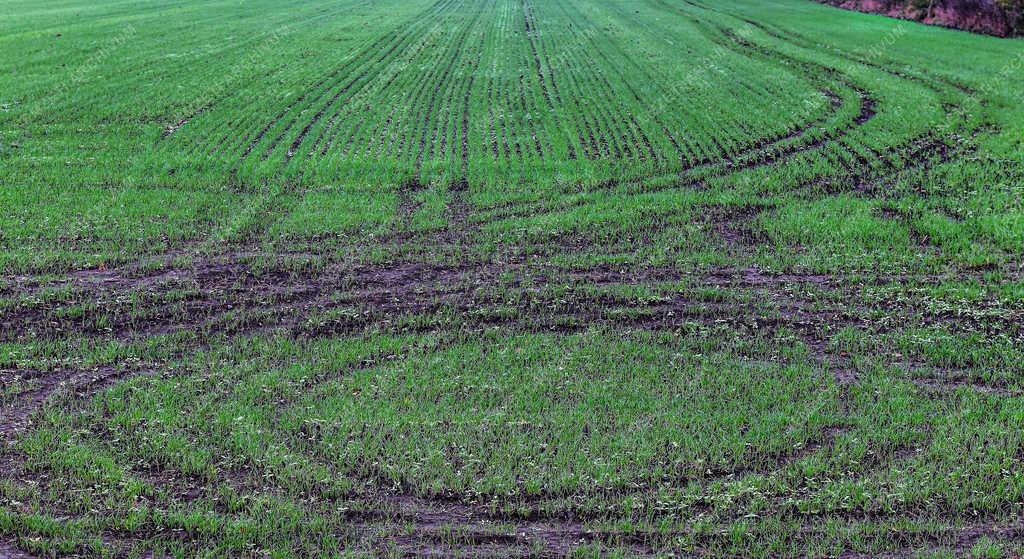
<point x="1014" y="10"/>
<point x="996" y="17"/>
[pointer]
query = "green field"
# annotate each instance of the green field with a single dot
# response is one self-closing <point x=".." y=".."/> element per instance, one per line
<point x="492" y="278"/>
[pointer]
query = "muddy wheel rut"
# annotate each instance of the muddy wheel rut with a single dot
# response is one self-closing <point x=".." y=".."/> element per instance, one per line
<point x="215" y="289"/>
